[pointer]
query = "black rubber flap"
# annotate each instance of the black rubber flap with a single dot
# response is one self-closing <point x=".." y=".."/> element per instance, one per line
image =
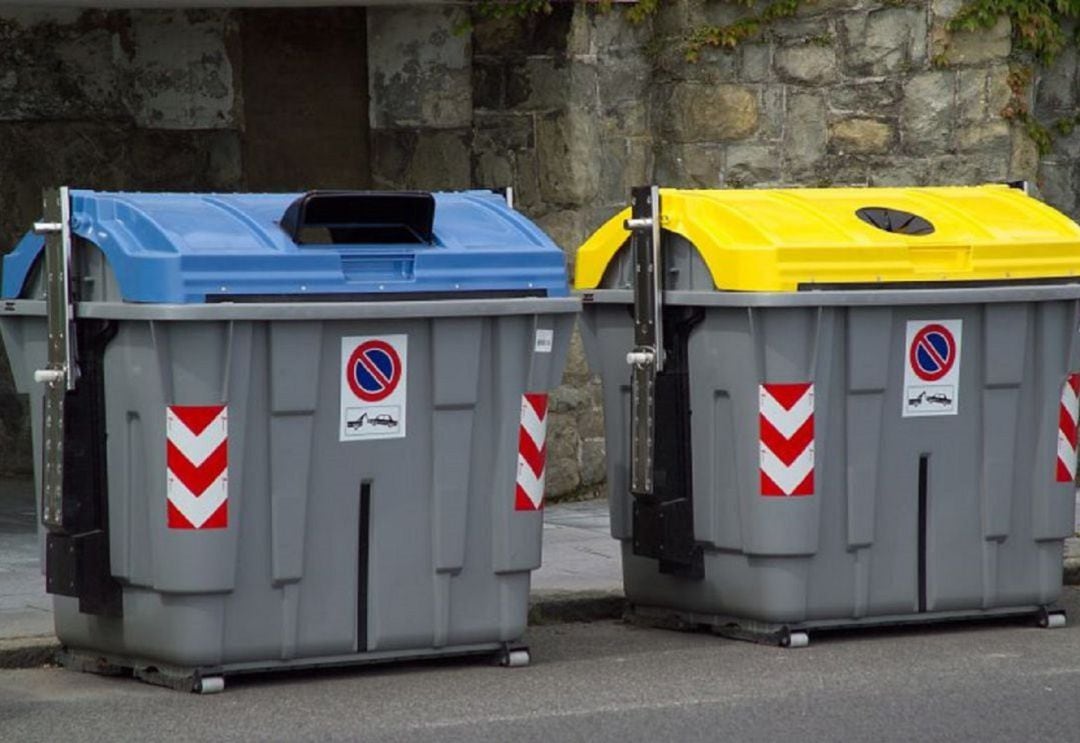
<point x="895" y="220"/>
<point x="360" y="217"/>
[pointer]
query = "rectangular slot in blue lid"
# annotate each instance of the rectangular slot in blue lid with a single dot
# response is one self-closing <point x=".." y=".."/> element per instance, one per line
<point x="360" y="218"/>
<point x="194" y="248"/>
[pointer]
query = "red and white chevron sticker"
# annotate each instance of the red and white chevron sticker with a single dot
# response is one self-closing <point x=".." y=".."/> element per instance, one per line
<point x="1067" y="422"/>
<point x="787" y="439"/>
<point x="197" y="457"/>
<point x="532" y="452"/>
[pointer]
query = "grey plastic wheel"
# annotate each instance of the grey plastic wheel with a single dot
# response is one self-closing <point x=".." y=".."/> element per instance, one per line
<point x="517" y="659"/>
<point x="796" y="640"/>
<point x="210" y="685"/>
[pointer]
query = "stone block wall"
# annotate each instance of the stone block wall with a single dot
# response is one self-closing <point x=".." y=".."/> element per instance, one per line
<point x="1058" y="97"/>
<point x="109" y="100"/>
<point x="846" y="93"/>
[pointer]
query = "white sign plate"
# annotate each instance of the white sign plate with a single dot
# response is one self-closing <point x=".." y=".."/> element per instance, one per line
<point x="373" y="381"/>
<point x="931" y="368"/>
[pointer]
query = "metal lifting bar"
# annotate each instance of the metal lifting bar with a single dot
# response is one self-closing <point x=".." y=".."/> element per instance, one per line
<point x="661" y="463"/>
<point x="61" y="374"/>
<point x="647" y="357"/>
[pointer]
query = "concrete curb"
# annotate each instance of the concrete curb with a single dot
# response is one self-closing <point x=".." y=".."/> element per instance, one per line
<point x="546" y="607"/>
<point x="28" y="652"/>
<point x="556" y="607"/>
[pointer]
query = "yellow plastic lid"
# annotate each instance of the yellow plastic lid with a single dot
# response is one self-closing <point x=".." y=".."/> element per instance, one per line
<point x="780" y="239"/>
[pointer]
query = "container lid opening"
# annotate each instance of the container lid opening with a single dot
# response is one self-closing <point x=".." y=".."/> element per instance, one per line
<point x="360" y="218"/>
<point x="895" y="220"/>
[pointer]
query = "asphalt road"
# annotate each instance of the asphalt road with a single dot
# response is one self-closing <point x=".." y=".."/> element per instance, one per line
<point x="611" y="682"/>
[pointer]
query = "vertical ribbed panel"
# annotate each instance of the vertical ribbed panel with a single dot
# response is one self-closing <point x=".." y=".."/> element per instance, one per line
<point x="132" y="514"/>
<point x="451" y="432"/>
<point x="295" y="350"/>
<point x="1055" y="336"/>
<point x="868" y="343"/>
<point x="864" y="447"/>
<point x="456" y="361"/>
<point x="867" y="361"/>
<point x="289" y="480"/>
<point x="1000" y="407"/>
<point x="1003" y="373"/>
<point x="1003" y="362"/>
<point x="1002" y="376"/>
<point x="718" y="505"/>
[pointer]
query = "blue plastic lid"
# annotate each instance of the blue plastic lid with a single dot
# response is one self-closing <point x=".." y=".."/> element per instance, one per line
<point x="194" y="248"/>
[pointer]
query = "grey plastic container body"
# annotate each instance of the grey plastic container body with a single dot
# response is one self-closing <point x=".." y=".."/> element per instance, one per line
<point x="449" y="557"/>
<point x="995" y="518"/>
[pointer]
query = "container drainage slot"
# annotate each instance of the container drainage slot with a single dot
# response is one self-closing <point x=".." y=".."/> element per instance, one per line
<point x="895" y="220"/>
<point x="924" y="487"/>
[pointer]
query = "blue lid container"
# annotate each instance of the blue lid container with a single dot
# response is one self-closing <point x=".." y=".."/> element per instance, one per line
<point x="325" y="245"/>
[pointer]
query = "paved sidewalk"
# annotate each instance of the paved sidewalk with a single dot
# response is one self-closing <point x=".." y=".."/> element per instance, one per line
<point x="25" y="609"/>
<point x="579" y="551"/>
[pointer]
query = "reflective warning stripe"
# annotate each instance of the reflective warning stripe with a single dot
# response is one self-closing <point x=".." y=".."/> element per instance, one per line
<point x="1067" y="421"/>
<point x="197" y="465"/>
<point x="532" y="452"/>
<point x="786" y="425"/>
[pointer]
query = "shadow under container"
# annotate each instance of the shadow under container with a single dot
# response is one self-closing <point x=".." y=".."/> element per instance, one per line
<point x="294" y="435"/>
<point x="867" y="407"/>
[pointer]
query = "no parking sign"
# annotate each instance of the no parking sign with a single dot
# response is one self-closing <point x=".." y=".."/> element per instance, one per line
<point x="373" y="381"/>
<point x="931" y="368"/>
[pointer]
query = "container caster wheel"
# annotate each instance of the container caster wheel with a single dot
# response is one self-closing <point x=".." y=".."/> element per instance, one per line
<point x="210" y="685"/>
<point x="518" y="658"/>
<point x="795" y="640"/>
<point x="1052" y="619"/>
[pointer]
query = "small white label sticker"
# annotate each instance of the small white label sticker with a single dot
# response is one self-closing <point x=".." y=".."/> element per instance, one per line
<point x="545" y="340"/>
<point x="931" y="368"/>
<point x="373" y="387"/>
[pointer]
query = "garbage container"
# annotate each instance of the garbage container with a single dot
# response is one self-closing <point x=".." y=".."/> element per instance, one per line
<point x="839" y="406"/>
<point x="286" y="430"/>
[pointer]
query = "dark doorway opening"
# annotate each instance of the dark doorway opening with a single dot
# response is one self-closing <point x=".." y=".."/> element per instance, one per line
<point x="305" y="88"/>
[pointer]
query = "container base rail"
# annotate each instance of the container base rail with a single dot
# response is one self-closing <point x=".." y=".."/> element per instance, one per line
<point x="798" y="634"/>
<point x="211" y="679"/>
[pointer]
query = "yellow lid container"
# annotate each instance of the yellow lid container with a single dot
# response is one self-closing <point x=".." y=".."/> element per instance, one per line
<point x="781" y="240"/>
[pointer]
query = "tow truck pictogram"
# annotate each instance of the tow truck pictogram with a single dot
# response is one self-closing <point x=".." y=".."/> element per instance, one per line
<point x="382" y="419"/>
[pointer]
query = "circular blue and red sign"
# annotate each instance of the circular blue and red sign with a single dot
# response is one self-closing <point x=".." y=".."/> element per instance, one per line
<point x="933" y="352"/>
<point x="373" y="371"/>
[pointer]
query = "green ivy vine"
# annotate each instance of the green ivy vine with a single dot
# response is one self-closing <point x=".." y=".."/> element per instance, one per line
<point x="746" y="28"/>
<point x="1039" y="26"/>
<point x="1040" y="33"/>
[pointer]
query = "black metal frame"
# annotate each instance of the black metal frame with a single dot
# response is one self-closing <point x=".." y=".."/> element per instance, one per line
<point x="663" y="522"/>
<point x="77" y="559"/>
